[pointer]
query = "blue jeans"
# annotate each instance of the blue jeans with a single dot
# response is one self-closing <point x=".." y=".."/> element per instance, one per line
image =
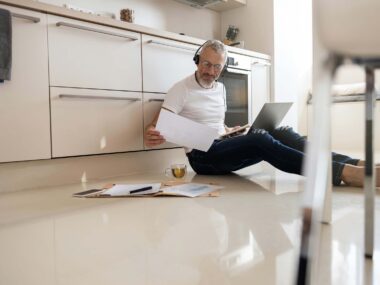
<point x="283" y="148"/>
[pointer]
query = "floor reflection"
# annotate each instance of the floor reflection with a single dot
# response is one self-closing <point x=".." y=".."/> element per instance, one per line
<point x="248" y="235"/>
<point x="243" y="257"/>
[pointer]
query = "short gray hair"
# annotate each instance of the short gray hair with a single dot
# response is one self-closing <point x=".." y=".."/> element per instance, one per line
<point x="217" y="46"/>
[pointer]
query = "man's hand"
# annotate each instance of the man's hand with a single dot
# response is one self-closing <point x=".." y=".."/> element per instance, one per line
<point x="237" y="130"/>
<point x="153" y="137"/>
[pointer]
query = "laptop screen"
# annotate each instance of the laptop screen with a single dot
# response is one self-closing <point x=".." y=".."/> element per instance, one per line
<point x="271" y="116"/>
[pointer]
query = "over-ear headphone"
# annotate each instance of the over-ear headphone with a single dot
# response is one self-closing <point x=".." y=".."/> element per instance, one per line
<point x="196" y="57"/>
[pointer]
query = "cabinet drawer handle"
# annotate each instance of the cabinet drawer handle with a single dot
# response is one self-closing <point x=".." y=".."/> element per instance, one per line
<point x="26" y="17"/>
<point x="95" y="30"/>
<point x="170" y="45"/>
<point x="98" y="97"/>
<point x="156" y="100"/>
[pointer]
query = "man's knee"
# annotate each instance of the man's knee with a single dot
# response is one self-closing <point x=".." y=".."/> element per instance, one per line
<point x="283" y="129"/>
<point x="282" y="132"/>
<point x="259" y="132"/>
<point x="259" y="136"/>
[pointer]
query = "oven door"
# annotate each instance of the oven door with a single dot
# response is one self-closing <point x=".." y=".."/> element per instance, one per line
<point x="238" y="96"/>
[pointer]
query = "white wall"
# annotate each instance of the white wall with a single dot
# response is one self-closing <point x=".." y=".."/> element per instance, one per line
<point x="255" y="21"/>
<point x="293" y="57"/>
<point x="165" y="15"/>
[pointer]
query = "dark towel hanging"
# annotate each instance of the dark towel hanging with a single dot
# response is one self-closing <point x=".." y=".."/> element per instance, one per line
<point x="5" y="45"/>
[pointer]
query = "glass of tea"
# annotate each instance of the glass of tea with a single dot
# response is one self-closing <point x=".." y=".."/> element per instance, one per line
<point x="177" y="170"/>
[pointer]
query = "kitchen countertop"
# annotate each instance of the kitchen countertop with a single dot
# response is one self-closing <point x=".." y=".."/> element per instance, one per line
<point x="61" y="11"/>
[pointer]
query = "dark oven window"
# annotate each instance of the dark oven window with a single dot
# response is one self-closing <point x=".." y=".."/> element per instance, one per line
<point x="237" y="98"/>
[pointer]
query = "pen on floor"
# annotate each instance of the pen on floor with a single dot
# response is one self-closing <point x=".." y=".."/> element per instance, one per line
<point x="140" y="190"/>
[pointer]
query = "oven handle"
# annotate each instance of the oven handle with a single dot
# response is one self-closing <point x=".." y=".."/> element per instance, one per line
<point x="239" y="71"/>
<point x="261" y="63"/>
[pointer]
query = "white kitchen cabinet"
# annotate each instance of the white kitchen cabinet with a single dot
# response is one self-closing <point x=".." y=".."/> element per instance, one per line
<point x="87" y="121"/>
<point x="152" y="105"/>
<point x="165" y="62"/>
<point x="87" y="55"/>
<point x="24" y="100"/>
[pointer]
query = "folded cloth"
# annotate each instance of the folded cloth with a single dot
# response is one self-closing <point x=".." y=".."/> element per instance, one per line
<point x="5" y="45"/>
<point x="348" y="89"/>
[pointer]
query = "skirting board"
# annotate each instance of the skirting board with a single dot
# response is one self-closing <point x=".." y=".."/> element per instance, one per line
<point x="44" y="173"/>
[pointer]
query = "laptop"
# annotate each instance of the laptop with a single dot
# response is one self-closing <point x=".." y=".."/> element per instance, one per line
<point x="269" y="118"/>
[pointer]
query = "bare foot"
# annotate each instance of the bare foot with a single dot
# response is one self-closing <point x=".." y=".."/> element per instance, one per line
<point x="362" y="163"/>
<point x="354" y="175"/>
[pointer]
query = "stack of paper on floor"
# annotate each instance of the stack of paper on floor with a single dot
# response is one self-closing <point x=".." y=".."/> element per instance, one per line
<point x="153" y="189"/>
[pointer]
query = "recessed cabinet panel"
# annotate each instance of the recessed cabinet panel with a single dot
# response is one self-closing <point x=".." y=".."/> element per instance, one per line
<point x="165" y="62"/>
<point x="93" y="56"/>
<point x="260" y="85"/>
<point x="152" y="105"/>
<point x="95" y="121"/>
<point x="24" y="100"/>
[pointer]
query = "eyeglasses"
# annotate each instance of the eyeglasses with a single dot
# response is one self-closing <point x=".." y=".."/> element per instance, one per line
<point x="208" y="65"/>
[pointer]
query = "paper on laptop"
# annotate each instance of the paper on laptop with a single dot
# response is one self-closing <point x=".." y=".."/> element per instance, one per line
<point x="182" y="131"/>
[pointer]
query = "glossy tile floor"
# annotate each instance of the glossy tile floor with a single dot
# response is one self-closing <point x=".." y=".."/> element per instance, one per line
<point x="248" y="235"/>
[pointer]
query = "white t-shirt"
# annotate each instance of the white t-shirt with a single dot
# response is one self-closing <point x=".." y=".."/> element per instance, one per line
<point x="206" y="106"/>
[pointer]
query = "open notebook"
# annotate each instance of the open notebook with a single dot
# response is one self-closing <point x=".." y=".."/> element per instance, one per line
<point x="153" y="189"/>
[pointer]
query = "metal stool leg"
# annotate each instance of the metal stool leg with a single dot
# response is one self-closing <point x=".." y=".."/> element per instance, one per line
<point x="318" y="157"/>
<point x="327" y="204"/>
<point x="370" y="174"/>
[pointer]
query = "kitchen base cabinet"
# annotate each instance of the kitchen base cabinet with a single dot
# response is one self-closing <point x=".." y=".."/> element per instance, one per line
<point x="24" y="100"/>
<point x="165" y="62"/>
<point x="88" y="121"/>
<point x="86" y="55"/>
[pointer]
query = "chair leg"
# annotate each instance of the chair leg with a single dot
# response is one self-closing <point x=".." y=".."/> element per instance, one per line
<point x="317" y="167"/>
<point x="327" y="203"/>
<point x="370" y="174"/>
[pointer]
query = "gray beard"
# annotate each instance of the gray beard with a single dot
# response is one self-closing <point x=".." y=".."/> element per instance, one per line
<point x="206" y="84"/>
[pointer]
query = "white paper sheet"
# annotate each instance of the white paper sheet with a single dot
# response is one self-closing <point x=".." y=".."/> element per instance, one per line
<point x="184" y="132"/>
<point x="191" y="189"/>
<point x="124" y="189"/>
